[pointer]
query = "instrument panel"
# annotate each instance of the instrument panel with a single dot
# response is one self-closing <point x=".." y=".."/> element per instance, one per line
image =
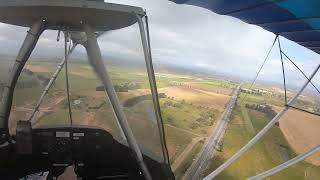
<point x="94" y="153"/>
<point x="82" y="147"/>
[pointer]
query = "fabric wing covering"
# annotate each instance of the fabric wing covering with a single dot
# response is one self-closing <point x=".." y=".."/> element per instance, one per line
<point x="297" y="20"/>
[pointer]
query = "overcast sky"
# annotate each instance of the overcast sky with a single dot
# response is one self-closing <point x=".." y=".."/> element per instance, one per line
<point x="188" y="36"/>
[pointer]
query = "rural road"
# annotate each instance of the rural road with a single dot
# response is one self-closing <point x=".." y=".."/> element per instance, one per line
<point x="194" y="172"/>
<point x="177" y="163"/>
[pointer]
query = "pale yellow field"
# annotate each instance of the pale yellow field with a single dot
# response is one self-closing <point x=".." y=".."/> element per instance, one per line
<point x="197" y="96"/>
<point x="302" y="131"/>
<point x="37" y="68"/>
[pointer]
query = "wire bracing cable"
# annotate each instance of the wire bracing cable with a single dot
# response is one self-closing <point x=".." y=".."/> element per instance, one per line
<point x="260" y="68"/>
<point x="283" y="74"/>
<point x="289" y="59"/>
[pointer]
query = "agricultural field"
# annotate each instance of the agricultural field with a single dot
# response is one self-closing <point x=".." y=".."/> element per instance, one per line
<point x="190" y="105"/>
<point x="294" y="124"/>
<point x="281" y="143"/>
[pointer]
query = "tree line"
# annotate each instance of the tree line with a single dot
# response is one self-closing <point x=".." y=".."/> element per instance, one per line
<point x="262" y="108"/>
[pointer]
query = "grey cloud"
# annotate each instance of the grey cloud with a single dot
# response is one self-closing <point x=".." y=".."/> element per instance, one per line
<point x="180" y="34"/>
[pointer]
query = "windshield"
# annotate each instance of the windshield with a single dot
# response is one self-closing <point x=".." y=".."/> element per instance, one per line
<point x="89" y="102"/>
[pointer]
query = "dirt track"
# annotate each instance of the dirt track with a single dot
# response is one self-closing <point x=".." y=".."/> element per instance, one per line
<point x="302" y="131"/>
<point x="177" y="163"/>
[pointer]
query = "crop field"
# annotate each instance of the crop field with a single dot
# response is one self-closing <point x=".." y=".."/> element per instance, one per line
<point x="37" y="68"/>
<point x="272" y="150"/>
<point x="197" y="97"/>
<point x="189" y="108"/>
<point x="294" y="125"/>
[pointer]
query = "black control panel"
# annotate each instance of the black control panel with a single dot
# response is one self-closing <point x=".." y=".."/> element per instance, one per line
<point x="85" y="148"/>
<point x="93" y="151"/>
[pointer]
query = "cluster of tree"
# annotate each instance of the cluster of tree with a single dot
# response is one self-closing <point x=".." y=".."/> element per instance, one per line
<point x="180" y="84"/>
<point x="167" y="104"/>
<point x="206" y="119"/>
<point x="262" y="108"/>
<point x="254" y="92"/>
<point x="98" y="106"/>
<point x="173" y="104"/>
<point x="135" y="100"/>
<point x="122" y="87"/>
<point x="117" y="88"/>
<point x="172" y="98"/>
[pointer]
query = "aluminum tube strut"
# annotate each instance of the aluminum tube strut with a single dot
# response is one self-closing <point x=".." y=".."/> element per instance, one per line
<point x="95" y="58"/>
<point x="33" y="118"/>
<point x="153" y="86"/>
<point x="238" y="154"/>
<point x="25" y="51"/>
<point x="81" y="38"/>
<point x="287" y="164"/>
<point x="123" y="137"/>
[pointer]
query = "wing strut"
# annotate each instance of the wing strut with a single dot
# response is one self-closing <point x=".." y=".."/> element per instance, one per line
<point x="95" y="59"/>
<point x="258" y="136"/>
<point x="25" y="51"/>
<point x="286" y="164"/>
<point x="145" y="39"/>
<point x="33" y="117"/>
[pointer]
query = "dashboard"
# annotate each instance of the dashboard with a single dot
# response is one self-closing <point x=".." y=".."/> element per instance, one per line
<point x="94" y="153"/>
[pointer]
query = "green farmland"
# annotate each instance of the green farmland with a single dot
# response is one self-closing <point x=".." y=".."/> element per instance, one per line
<point x="272" y="150"/>
<point x="184" y="120"/>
